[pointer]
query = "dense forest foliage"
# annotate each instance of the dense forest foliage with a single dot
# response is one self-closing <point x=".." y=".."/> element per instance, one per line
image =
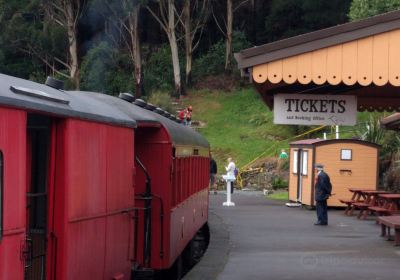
<point x="142" y="46"/>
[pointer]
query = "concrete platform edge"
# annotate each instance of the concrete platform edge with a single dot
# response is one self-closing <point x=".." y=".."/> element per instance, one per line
<point x="216" y="256"/>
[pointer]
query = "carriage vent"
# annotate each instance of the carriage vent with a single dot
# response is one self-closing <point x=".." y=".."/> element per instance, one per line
<point x="127" y="97"/>
<point x="159" y="111"/>
<point x="150" y="107"/>
<point x="54" y="83"/>
<point x="38" y="94"/>
<point x="140" y="103"/>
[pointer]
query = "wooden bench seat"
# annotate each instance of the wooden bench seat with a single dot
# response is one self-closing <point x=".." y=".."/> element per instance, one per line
<point x="389" y="222"/>
<point x="363" y="207"/>
<point x="348" y="203"/>
<point x="380" y="211"/>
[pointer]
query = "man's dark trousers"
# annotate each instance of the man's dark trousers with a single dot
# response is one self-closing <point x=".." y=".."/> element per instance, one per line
<point x="322" y="211"/>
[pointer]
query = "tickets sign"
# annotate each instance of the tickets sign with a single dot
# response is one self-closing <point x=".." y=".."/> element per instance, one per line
<point x="314" y="109"/>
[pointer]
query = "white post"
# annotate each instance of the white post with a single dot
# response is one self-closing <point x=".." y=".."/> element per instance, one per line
<point x="229" y="180"/>
<point x="324" y="135"/>
<point x="337" y="132"/>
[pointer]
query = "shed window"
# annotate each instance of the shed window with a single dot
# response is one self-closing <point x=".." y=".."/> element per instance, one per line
<point x="1" y="194"/>
<point x="304" y="165"/>
<point x="346" y="154"/>
<point x="295" y="162"/>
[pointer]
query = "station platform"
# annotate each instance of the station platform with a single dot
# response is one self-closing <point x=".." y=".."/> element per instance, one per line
<point x="264" y="239"/>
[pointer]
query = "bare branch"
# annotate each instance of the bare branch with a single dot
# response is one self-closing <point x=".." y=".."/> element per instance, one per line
<point x="198" y="41"/>
<point x="30" y="51"/>
<point x="216" y="21"/>
<point x="62" y="63"/>
<point x="164" y="27"/>
<point x="179" y="16"/>
<point x="241" y="4"/>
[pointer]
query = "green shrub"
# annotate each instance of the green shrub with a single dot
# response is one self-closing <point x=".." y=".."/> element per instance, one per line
<point x="97" y="67"/>
<point x="213" y="62"/>
<point x="285" y="165"/>
<point x="106" y="70"/>
<point x="279" y="183"/>
<point x="161" y="99"/>
<point x="158" y="70"/>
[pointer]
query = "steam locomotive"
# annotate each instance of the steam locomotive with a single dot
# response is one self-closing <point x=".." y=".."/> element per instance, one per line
<point x="94" y="186"/>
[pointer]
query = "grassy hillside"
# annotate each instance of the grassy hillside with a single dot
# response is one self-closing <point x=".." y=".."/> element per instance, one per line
<point x="237" y="124"/>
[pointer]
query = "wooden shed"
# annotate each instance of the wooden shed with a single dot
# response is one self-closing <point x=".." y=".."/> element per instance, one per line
<point x="348" y="162"/>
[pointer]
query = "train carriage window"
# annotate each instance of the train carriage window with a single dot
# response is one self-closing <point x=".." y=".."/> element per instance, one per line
<point x="1" y="194"/>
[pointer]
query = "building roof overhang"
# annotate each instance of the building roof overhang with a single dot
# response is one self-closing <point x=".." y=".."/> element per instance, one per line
<point x="358" y="58"/>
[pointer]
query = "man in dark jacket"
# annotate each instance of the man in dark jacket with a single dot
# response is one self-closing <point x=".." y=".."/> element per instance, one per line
<point x="213" y="174"/>
<point x="323" y="190"/>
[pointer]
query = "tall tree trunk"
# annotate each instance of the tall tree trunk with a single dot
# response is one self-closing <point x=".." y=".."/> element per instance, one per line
<point x="137" y="57"/>
<point x="253" y="21"/>
<point x="73" y="45"/>
<point x="175" y="64"/>
<point x="174" y="48"/>
<point x="228" y="40"/>
<point x="188" y="42"/>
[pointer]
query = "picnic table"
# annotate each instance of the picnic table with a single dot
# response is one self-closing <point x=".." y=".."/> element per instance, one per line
<point x="359" y="196"/>
<point x="361" y="199"/>
<point x="370" y="200"/>
<point x="389" y="222"/>
<point x="388" y="204"/>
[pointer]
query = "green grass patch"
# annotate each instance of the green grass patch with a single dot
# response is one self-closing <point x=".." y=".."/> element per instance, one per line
<point x="238" y="125"/>
<point x="279" y="195"/>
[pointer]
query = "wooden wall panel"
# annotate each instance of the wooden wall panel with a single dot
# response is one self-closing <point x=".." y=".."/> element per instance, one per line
<point x="360" y="172"/>
<point x="319" y="66"/>
<point x="334" y="65"/>
<point x="364" y="61"/>
<point x="394" y="57"/>
<point x="304" y="70"/>
<point x="380" y="61"/>
<point x="289" y="69"/>
<point x="275" y="71"/>
<point x="260" y="73"/>
<point x="349" y="63"/>
<point x="372" y="59"/>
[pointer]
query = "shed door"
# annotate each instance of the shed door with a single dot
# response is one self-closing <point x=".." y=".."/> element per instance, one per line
<point x="301" y="166"/>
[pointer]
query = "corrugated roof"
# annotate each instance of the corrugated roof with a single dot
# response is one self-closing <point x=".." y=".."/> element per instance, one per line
<point x="306" y="141"/>
<point x="318" y="39"/>
<point x="358" y="58"/>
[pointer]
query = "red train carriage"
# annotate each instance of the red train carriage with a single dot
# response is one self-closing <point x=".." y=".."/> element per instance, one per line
<point x="177" y="163"/>
<point x="70" y="165"/>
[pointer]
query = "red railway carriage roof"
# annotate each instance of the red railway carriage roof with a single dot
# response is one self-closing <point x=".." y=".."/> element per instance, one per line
<point x="28" y="95"/>
<point x="31" y="96"/>
<point x="181" y="134"/>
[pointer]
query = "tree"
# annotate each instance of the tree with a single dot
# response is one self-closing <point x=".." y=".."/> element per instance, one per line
<point x="166" y="17"/>
<point x="125" y="15"/>
<point x="194" y="18"/>
<point x="228" y="31"/>
<point x="360" y="9"/>
<point x="27" y="35"/>
<point x="66" y="13"/>
<point x="288" y="18"/>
